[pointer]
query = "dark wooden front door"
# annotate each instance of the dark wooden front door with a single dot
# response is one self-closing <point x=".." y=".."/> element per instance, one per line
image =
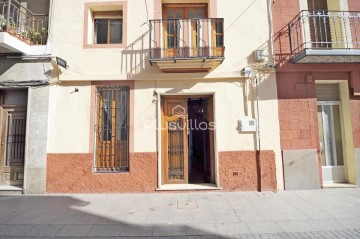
<point x="12" y="150"/>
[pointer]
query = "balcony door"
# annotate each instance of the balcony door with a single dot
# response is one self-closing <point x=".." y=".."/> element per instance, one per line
<point x="182" y="30"/>
<point x="319" y="22"/>
<point x="331" y="148"/>
<point x="331" y="134"/>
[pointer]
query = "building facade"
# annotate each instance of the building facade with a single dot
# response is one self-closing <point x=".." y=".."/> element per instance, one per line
<point x="118" y="96"/>
<point x="318" y="86"/>
<point x="155" y="98"/>
<point x="26" y="72"/>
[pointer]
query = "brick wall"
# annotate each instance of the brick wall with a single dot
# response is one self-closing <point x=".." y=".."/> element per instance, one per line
<point x="283" y="12"/>
<point x="297" y="111"/>
<point x="354" y="5"/>
<point x="241" y="170"/>
<point x="298" y="123"/>
<point x="355" y="116"/>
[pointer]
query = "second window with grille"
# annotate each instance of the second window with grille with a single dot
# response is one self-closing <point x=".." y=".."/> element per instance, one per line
<point x="112" y="129"/>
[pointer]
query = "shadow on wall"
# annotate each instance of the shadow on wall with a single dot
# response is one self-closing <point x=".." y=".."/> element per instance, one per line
<point x="34" y="216"/>
<point x="282" y="48"/>
<point x="135" y="58"/>
<point x="7" y="64"/>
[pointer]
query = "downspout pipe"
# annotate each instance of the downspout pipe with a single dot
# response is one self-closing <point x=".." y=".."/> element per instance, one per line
<point x="258" y="151"/>
<point x="271" y="33"/>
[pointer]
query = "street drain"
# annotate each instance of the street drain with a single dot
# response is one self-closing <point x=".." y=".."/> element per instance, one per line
<point x="265" y="194"/>
<point x="186" y="204"/>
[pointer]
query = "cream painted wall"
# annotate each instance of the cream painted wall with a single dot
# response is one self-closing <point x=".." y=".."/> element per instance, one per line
<point x="229" y="105"/>
<point x="246" y="29"/>
<point x="229" y="108"/>
<point x="347" y="132"/>
<point x="69" y="119"/>
<point x="242" y="37"/>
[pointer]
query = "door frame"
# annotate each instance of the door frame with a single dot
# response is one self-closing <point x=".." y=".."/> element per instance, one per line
<point x="213" y="139"/>
<point x="14" y="108"/>
<point x="338" y="103"/>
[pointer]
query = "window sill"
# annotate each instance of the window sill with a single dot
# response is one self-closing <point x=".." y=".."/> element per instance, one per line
<point x="110" y="172"/>
<point x="99" y="46"/>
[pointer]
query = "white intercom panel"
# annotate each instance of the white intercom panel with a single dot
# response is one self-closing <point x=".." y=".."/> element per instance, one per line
<point x="248" y="125"/>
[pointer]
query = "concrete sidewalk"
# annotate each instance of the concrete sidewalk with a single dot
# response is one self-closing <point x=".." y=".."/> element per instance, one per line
<point x="330" y="213"/>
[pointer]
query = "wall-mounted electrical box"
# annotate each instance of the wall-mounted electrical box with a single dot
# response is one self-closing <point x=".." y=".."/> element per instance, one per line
<point x="248" y="125"/>
<point x="259" y="55"/>
<point x="246" y="72"/>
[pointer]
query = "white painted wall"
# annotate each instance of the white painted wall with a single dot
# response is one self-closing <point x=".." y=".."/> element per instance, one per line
<point x="69" y="119"/>
<point x="245" y="23"/>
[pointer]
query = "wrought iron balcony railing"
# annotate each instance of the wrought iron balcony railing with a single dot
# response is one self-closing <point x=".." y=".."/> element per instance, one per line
<point x="22" y="23"/>
<point x="325" y="30"/>
<point x="172" y="39"/>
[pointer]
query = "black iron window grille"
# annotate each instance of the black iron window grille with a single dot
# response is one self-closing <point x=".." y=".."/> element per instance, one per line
<point x="112" y="129"/>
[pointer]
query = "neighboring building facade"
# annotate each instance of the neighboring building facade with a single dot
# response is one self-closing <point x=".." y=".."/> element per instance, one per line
<point x="25" y="73"/>
<point x="150" y="105"/>
<point x="318" y="84"/>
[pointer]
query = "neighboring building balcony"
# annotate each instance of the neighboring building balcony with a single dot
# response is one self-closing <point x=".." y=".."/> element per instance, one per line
<point x="325" y="37"/>
<point x="187" y="45"/>
<point x="21" y="30"/>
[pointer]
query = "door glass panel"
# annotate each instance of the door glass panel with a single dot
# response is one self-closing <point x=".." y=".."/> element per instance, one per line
<point x="329" y="136"/>
<point x="15" y="142"/>
<point x="338" y="136"/>
<point x="179" y="14"/>
<point x="101" y="31"/>
<point x="176" y="149"/>
<point x="219" y="34"/>
<point x="321" y="136"/>
<point x="171" y="42"/>
<point x="172" y="38"/>
<point x="171" y="28"/>
<point x="116" y="31"/>
<point x="196" y="13"/>
<point x="170" y="14"/>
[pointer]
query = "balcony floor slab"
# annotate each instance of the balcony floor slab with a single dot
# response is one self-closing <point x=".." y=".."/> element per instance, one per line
<point x="328" y="56"/>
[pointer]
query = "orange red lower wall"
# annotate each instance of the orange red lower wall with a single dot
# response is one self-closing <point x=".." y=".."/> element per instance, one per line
<point x="240" y="170"/>
<point x="73" y="173"/>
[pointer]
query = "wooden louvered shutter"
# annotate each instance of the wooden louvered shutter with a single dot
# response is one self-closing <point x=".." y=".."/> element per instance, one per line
<point x="320" y="31"/>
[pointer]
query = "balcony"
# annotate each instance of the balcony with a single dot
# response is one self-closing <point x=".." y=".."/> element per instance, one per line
<point x="21" y="30"/>
<point x="325" y="37"/>
<point x="187" y="45"/>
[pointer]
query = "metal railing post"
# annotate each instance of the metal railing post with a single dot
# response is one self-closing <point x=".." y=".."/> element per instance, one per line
<point x="150" y="37"/>
<point x="291" y="47"/>
<point x="8" y="15"/>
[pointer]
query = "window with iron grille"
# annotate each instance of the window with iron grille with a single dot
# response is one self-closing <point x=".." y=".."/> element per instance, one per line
<point x="112" y="129"/>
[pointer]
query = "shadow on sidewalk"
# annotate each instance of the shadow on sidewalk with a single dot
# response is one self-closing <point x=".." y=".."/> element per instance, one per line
<point x="48" y="216"/>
